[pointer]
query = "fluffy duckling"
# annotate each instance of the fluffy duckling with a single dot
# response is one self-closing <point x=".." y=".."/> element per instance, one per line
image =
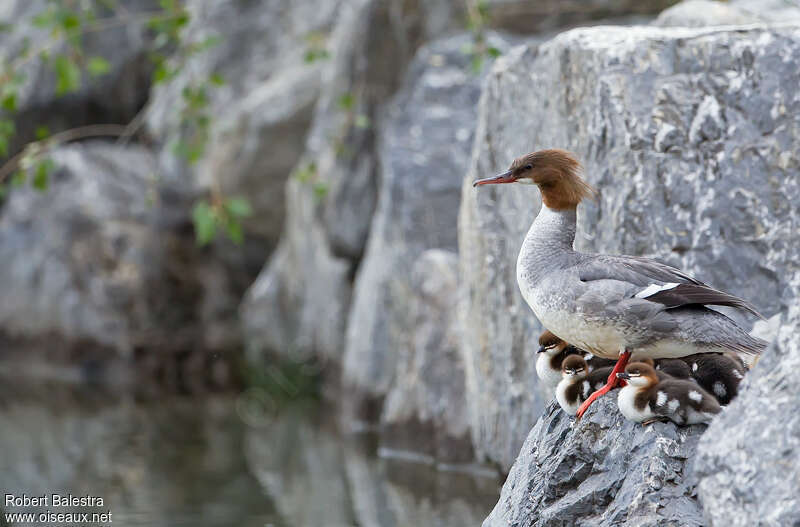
<point x="574" y="386"/>
<point x="718" y="373"/>
<point x="553" y="351"/>
<point x="646" y="398"/>
<point x="550" y="357"/>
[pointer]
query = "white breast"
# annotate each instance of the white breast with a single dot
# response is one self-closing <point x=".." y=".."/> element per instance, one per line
<point x="602" y="340"/>
<point x="567" y="406"/>
<point x="549" y="377"/>
<point x="626" y="400"/>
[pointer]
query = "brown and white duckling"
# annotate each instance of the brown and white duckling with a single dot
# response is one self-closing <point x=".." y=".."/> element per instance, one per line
<point x="646" y="399"/>
<point x="551" y="355"/>
<point x="719" y="373"/>
<point x="553" y="351"/>
<point x="574" y="386"/>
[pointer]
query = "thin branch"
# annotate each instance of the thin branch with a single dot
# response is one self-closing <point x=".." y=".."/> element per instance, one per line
<point x="73" y="134"/>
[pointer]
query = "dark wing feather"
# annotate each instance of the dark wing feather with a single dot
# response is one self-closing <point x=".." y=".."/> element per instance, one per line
<point x="693" y="294"/>
<point x="632" y="269"/>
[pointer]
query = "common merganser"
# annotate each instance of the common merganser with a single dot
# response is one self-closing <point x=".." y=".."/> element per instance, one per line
<point x="646" y="399"/>
<point x="610" y="305"/>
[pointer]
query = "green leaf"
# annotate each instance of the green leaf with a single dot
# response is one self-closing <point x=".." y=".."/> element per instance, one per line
<point x="238" y="207"/>
<point x="68" y="76"/>
<point x="3" y="191"/>
<point x="320" y="190"/>
<point x="493" y="52"/>
<point x="207" y="43"/>
<point x="98" y="66"/>
<point x="42" y="132"/>
<point x="216" y="79"/>
<point x="476" y="63"/>
<point x="7" y="130"/>
<point x="205" y="223"/>
<point x="44" y="19"/>
<point x="10" y="102"/>
<point x="41" y="174"/>
<point x="362" y="121"/>
<point x="162" y="74"/>
<point x="19" y="178"/>
<point x="69" y="21"/>
<point x="314" y="54"/>
<point x="346" y="101"/>
<point x="234" y="230"/>
<point x="5" y="27"/>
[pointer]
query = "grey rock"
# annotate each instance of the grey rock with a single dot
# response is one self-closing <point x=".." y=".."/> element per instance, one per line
<point x="771" y="10"/>
<point x="700" y="174"/>
<point x="371" y="44"/>
<point x="700" y="13"/>
<point x="525" y="17"/>
<point x="261" y="114"/>
<point x="424" y="151"/>
<point x="424" y="409"/>
<point x="106" y="257"/>
<point x="747" y="461"/>
<point x="300" y="302"/>
<point x="603" y="470"/>
<point x="111" y="98"/>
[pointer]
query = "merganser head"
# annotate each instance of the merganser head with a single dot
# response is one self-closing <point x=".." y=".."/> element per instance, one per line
<point x="550" y="344"/>
<point x="556" y="173"/>
<point x="573" y="366"/>
<point x="639" y="374"/>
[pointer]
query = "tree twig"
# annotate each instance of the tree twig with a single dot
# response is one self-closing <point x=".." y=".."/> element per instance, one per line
<point x="73" y="134"/>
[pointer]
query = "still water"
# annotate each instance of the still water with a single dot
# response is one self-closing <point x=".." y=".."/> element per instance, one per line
<point x="207" y="462"/>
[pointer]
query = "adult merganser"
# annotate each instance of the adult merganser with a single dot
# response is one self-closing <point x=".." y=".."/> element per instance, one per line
<point x="646" y="398"/>
<point x="610" y="305"/>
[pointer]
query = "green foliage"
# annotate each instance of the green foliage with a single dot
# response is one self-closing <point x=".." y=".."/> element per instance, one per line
<point x="98" y="66"/>
<point x="7" y="130"/>
<point x="205" y="223"/>
<point x="68" y="75"/>
<point x="225" y="215"/>
<point x="306" y="172"/>
<point x="41" y="173"/>
<point x="42" y="132"/>
<point x="478" y="19"/>
<point x="65" y="23"/>
<point x="346" y="101"/>
<point x="315" y="48"/>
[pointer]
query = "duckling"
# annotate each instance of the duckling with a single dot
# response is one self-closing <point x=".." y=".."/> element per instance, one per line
<point x="574" y="386"/>
<point x="551" y="355"/>
<point x="673" y="367"/>
<point x="718" y="373"/>
<point x="553" y="351"/>
<point x="646" y="399"/>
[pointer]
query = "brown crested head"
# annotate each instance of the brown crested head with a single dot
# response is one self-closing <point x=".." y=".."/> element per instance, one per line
<point x="549" y="342"/>
<point x="641" y="372"/>
<point x="574" y="365"/>
<point x="556" y="173"/>
<point x="547" y="339"/>
<point x="645" y="360"/>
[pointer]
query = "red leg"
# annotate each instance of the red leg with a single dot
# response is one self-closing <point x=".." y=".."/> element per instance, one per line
<point x="612" y="382"/>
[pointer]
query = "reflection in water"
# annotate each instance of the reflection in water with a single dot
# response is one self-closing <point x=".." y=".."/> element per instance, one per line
<point x="184" y="461"/>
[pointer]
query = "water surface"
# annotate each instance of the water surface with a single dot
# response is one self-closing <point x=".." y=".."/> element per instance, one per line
<point x="210" y="461"/>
